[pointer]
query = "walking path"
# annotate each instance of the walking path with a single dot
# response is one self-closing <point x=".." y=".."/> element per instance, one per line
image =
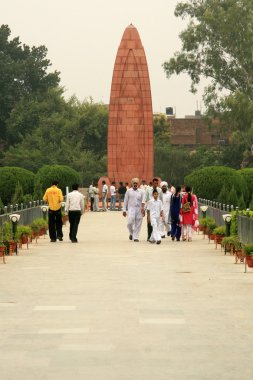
<point x="111" y="309"/>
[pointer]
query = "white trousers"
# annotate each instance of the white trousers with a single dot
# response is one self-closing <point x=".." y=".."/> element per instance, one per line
<point x="134" y="226"/>
<point x="96" y="203"/>
<point x="156" y="235"/>
<point x="187" y="230"/>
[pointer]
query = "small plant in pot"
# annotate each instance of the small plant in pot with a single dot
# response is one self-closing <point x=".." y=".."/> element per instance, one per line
<point x="219" y="233"/>
<point x="248" y="251"/>
<point x="211" y="225"/>
<point x="204" y="224"/>
<point x="24" y="233"/>
<point x="231" y="244"/>
<point x="8" y="240"/>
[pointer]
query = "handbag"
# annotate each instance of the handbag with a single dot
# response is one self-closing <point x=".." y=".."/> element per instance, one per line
<point x="186" y="207"/>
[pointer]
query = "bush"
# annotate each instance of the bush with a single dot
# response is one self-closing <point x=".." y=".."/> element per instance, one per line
<point x="220" y="230"/>
<point x="10" y="177"/>
<point x="208" y="182"/>
<point x="49" y="173"/>
<point x="247" y="175"/>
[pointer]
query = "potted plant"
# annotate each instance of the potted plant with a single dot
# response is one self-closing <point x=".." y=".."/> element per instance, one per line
<point x="231" y="244"/>
<point x="8" y="240"/>
<point x="2" y="251"/>
<point x="219" y="233"/>
<point x="39" y="227"/>
<point x="204" y="223"/>
<point x="248" y="251"/>
<point x="211" y="225"/>
<point x="23" y="234"/>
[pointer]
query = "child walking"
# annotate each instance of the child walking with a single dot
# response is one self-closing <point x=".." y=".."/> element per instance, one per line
<point x="155" y="212"/>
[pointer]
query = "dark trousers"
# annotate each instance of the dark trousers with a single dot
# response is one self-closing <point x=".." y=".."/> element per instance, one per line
<point x="150" y="229"/>
<point x="55" y="224"/>
<point x="74" y="219"/>
<point x="91" y="203"/>
<point x="175" y="230"/>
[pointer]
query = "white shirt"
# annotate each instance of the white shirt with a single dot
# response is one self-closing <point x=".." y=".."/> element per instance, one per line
<point x="149" y="194"/>
<point x="75" y="201"/>
<point x="112" y="190"/>
<point x="133" y="199"/>
<point x="155" y="208"/>
<point x="105" y="188"/>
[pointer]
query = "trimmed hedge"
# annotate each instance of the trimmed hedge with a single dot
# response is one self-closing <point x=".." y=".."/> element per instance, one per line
<point x="9" y="178"/>
<point x="247" y="174"/>
<point x="208" y="182"/>
<point x="49" y="173"/>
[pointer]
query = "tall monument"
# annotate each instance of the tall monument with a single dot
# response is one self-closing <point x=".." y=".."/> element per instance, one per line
<point x="130" y="128"/>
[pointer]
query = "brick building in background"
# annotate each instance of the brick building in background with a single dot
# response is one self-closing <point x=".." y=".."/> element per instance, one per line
<point x="193" y="130"/>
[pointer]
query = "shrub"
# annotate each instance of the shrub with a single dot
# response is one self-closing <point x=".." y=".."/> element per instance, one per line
<point x="208" y="182"/>
<point x="49" y="173"/>
<point x="220" y="230"/>
<point x="247" y="175"/>
<point x="9" y="178"/>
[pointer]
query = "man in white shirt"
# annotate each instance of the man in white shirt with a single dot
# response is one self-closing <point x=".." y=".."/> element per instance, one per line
<point x="75" y="208"/>
<point x="104" y="195"/>
<point x="165" y="226"/>
<point x="113" y="196"/>
<point x="133" y="209"/>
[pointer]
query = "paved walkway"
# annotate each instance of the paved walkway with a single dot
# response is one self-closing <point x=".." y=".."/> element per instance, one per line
<point x="111" y="309"/>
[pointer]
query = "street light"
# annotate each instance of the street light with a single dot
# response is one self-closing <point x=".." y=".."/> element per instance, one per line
<point x="44" y="210"/>
<point x="227" y="219"/>
<point x="14" y="218"/>
<point x="203" y="209"/>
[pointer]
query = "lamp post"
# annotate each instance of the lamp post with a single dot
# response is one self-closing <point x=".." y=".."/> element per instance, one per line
<point x="44" y="210"/>
<point x="227" y="219"/>
<point x="14" y="218"/>
<point x="203" y="209"/>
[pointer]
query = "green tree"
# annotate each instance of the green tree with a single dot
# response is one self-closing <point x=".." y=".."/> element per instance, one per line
<point x="9" y="177"/>
<point x="217" y="45"/>
<point x="223" y="195"/>
<point x="49" y="173"/>
<point x="232" y="197"/>
<point x="242" y="205"/>
<point x="18" y="194"/>
<point x="208" y="182"/>
<point x="23" y="73"/>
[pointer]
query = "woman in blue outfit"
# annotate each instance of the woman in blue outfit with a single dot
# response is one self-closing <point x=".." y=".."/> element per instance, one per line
<point x="175" y="206"/>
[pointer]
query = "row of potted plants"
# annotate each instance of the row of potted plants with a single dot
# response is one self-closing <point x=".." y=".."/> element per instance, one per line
<point x="232" y="244"/>
<point x="23" y="235"/>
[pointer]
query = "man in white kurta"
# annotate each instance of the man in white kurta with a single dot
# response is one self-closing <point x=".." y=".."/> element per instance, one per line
<point x="165" y="227"/>
<point x="133" y="209"/>
<point x="155" y="212"/>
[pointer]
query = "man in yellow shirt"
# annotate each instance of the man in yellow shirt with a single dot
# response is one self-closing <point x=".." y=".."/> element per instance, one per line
<point x="53" y="196"/>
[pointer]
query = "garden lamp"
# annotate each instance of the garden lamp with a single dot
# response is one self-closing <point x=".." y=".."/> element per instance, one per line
<point x="227" y="219"/>
<point x="203" y="209"/>
<point x="14" y="218"/>
<point x="44" y="210"/>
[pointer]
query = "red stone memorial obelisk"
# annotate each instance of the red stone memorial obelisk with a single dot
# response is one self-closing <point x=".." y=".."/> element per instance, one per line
<point x="130" y="128"/>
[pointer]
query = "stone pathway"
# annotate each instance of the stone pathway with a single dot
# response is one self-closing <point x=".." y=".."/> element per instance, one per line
<point x="110" y="309"/>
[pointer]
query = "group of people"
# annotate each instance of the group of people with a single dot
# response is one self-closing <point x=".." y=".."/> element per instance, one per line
<point x="116" y="193"/>
<point x="170" y="211"/>
<point x="74" y="207"/>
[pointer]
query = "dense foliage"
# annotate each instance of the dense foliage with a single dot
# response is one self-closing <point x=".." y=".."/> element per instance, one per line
<point x="208" y="183"/>
<point x="12" y="177"/>
<point x="217" y="45"/>
<point x="49" y="173"/>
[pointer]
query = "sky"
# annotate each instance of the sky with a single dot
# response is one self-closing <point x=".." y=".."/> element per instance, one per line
<point x="83" y="36"/>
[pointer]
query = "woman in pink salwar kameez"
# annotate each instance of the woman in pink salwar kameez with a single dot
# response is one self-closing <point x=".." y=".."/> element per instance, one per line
<point x="189" y="218"/>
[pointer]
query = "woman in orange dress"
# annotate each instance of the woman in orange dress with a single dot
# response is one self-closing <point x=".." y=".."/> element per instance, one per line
<point x="189" y="213"/>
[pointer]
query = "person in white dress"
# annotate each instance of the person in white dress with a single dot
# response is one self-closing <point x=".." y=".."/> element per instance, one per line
<point x="165" y="226"/>
<point x="133" y="210"/>
<point x="104" y="195"/>
<point x="155" y="212"/>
